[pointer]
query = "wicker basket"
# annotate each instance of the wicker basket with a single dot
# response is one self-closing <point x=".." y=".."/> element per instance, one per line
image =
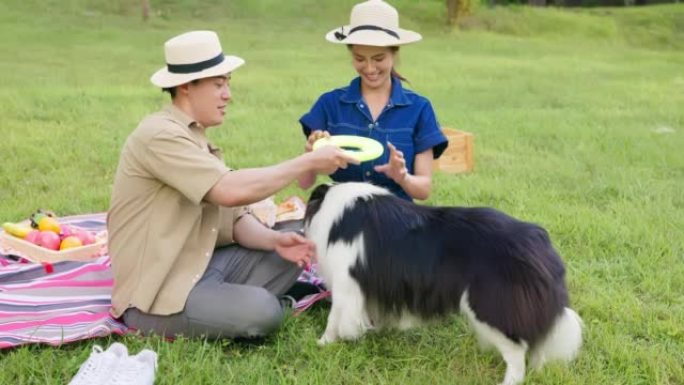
<point x="35" y="253"/>
<point x="459" y="156"/>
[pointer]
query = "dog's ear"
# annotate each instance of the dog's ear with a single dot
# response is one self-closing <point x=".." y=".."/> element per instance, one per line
<point x="319" y="192"/>
<point x="315" y="201"/>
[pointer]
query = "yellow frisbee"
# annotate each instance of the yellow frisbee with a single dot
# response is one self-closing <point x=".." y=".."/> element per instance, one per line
<point x="361" y="148"/>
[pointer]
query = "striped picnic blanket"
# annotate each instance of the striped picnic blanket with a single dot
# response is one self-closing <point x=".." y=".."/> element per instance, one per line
<point x="57" y="303"/>
<point x="70" y="301"/>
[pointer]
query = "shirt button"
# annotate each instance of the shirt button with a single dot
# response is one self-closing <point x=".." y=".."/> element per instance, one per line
<point x="361" y="105"/>
<point x="370" y="125"/>
<point x="207" y="254"/>
<point x="367" y="173"/>
<point x="213" y="230"/>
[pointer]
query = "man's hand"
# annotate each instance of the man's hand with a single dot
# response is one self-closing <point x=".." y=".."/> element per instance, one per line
<point x="295" y="248"/>
<point x="328" y="159"/>
<point x="395" y="169"/>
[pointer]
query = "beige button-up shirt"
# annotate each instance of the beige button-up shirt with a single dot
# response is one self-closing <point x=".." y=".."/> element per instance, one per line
<point x="161" y="232"/>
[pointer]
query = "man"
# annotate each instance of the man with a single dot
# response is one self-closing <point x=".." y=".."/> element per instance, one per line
<point x="187" y="257"/>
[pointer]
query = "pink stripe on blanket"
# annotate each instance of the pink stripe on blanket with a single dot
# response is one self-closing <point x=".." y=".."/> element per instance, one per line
<point x="51" y="300"/>
<point x="309" y="300"/>
<point x="63" y="320"/>
<point x="85" y="269"/>
<point x="42" y="285"/>
<point x="97" y="331"/>
<point x="10" y="314"/>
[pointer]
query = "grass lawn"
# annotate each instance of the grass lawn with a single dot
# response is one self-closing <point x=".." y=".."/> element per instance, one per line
<point x="578" y="118"/>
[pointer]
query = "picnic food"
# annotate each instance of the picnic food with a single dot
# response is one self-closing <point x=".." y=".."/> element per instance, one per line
<point x="286" y="207"/>
<point x="38" y="215"/>
<point x="45" y="237"/>
<point x="16" y="229"/>
<point x="86" y="237"/>
<point x="32" y="236"/>
<point x="45" y="230"/>
<point x="49" y="224"/>
<point x="69" y="242"/>
<point x="49" y="240"/>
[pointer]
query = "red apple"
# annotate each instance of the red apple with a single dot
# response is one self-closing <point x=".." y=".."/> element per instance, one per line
<point x="67" y="231"/>
<point x="49" y="240"/>
<point x="32" y="236"/>
<point x="86" y="237"/>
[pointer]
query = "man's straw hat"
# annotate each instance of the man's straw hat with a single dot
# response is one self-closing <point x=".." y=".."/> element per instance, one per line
<point x="375" y="23"/>
<point x="193" y="55"/>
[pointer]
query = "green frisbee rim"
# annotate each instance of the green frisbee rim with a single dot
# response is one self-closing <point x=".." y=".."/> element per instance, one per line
<point x="365" y="148"/>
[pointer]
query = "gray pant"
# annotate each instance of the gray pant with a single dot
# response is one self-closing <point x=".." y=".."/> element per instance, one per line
<point x="236" y="297"/>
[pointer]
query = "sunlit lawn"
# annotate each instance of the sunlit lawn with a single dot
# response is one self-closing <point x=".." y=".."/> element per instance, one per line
<point x="579" y="124"/>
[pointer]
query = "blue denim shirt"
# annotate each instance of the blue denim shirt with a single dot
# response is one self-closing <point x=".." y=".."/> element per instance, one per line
<point x="408" y="122"/>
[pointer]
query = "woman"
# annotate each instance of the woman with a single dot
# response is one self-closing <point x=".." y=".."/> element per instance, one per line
<point x="375" y="105"/>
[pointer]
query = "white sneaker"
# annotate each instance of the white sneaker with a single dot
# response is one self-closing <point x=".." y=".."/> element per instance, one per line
<point x="99" y="366"/>
<point x="135" y="370"/>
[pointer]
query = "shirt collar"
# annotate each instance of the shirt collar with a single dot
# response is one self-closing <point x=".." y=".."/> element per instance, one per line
<point x="182" y="117"/>
<point x="353" y="93"/>
<point x="194" y="128"/>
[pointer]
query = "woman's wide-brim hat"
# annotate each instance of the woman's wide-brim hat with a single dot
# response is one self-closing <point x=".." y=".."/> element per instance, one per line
<point x="191" y="56"/>
<point x="373" y="22"/>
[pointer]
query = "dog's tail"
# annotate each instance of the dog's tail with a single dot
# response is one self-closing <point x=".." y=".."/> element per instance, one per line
<point x="561" y="343"/>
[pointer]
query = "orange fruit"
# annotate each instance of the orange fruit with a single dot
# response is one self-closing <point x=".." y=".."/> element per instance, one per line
<point x="49" y="224"/>
<point x="69" y="242"/>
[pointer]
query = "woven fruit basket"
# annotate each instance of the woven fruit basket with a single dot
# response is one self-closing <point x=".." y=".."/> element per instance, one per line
<point x="13" y="245"/>
<point x="16" y="246"/>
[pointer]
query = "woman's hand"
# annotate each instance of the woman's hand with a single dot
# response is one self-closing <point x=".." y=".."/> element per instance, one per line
<point x="395" y="169"/>
<point x="314" y="137"/>
<point x="322" y="159"/>
<point x="295" y="248"/>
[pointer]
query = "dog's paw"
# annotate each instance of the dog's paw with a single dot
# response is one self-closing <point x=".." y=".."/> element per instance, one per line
<point x="325" y="340"/>
<point x="512" y="379"/>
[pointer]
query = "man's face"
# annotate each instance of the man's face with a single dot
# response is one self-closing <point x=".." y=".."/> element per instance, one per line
<point x="209" y="98"/>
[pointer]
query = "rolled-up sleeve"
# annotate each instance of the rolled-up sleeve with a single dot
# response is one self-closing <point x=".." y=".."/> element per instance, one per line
<point x="178" y="162"/>
<point x="428" y="133"/>
<point x="315" y="119"/>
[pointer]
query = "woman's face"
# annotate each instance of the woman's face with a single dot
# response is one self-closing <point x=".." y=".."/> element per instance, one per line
<point x="373" y="64"/>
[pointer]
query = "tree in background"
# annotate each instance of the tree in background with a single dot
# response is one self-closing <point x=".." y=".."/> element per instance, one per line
<point x="145" y="9"/>
<point x="456" y="9"/>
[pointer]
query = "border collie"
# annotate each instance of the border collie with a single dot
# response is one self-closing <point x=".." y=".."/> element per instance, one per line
<point x="392" y="263"/>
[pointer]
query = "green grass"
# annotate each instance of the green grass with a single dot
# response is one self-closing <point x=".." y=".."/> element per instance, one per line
<point x="578" y="117"/>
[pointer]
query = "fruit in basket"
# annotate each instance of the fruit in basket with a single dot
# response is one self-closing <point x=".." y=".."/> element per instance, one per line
<point x="66" y="231"/>
<point x="38" y="215"/>
<point x="32" y="236"/>
<point x="16" y="229"/>
<point x="85" y="236"/>
<point x="49" y="224"/>
<point x="49" y="240"/>
<point x="70" y="242"/>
